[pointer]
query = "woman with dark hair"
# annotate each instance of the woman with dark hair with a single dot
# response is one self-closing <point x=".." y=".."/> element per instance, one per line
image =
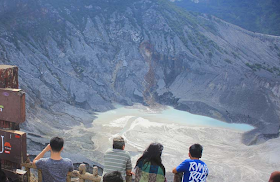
<point x="149" y="167"/>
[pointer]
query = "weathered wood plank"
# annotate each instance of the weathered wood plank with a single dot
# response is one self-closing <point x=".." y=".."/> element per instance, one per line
<point x="8" y="76"/>
<point x="12" y="105"/>
<point x="13" y="146"/>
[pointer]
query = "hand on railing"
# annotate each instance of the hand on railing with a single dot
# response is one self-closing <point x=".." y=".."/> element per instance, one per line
<point x="178" y="177"/>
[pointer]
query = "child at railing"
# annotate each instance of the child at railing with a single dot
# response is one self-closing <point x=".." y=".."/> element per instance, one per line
<point x="194" y="169"/>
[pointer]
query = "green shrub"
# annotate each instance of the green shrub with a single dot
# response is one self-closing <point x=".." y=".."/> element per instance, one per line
<point x="229" y="61"/>
<point x="258" y="66"/>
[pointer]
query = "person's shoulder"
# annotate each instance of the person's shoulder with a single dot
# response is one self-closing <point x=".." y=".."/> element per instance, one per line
<point x="41" y="163"/>
<point x="126" y="152"/>
<point x="109" y="150"/>
<point x="198" y="161"/>
<point x="44" y="159"/>
<point x="66" y="163"/>
<point x="120" y="152"/>
<point x="188" y="160"/>
<point x="202" y="162"/>
<point x="66" y="160"/>
<point x="117" y="152"/>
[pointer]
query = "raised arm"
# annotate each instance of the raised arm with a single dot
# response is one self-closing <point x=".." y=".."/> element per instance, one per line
<point x="39" y="156"/>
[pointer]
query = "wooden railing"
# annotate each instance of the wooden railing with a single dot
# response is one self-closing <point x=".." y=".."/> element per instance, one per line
<point x="81" y="175"/>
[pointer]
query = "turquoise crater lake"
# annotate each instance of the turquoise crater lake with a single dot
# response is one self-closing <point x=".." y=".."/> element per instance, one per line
<point x="168" y="115"/>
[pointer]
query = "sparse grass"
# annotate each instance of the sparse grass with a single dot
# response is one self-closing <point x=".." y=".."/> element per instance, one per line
<point x="235" y="55"/>
<point x="257" y="67"/>
<point x="178" y="18"/>
<point x="258" y="16"/>
<point x="228" y="61"/>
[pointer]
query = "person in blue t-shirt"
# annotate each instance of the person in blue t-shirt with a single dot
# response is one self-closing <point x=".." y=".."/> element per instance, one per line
<point x="194" y="169"/>
<point x="54" y="168"/>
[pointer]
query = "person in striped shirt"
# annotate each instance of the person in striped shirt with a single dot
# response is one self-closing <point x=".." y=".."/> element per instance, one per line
<point x="117" y="159"/>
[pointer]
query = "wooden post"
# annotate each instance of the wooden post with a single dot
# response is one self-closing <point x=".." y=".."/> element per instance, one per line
<point x="81" y="180"/>
<point x="28" y="165"/>
<point x="28" y="175"/>
<point x="82" y="171"/>
<point x="8" y="76"/>
<point x="27" y="168"/>
<point x="9" y="79"/>
<point x="40" y="177"/>
<point x="68" y="179"/>
<point x="95" y="171"/>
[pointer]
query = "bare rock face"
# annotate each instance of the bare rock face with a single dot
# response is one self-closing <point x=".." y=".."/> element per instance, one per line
<point x="76" y="57"/>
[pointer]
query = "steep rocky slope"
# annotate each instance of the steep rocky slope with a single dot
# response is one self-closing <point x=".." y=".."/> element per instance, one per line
<point x="76" y="57"/>
<point x="258" y="16"/>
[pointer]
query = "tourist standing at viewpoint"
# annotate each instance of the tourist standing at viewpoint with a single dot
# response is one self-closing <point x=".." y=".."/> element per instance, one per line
<point x="117" y="159"/>
<point x="194" y="169"/>
<point x="55" y="168"/>
<point x="149" y="167"/>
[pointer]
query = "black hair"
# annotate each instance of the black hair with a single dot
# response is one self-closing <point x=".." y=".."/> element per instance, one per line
<point x="118" y="145"/>
<point x="114" y="176"/>
<point x="275" y="177"/>
<point x="56" y="144"/>
<point x="153" y="155"/>
<point x="196" y="150"/>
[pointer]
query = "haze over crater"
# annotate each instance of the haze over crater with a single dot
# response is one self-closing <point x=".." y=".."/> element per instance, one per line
<point x="77" y="57"/>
